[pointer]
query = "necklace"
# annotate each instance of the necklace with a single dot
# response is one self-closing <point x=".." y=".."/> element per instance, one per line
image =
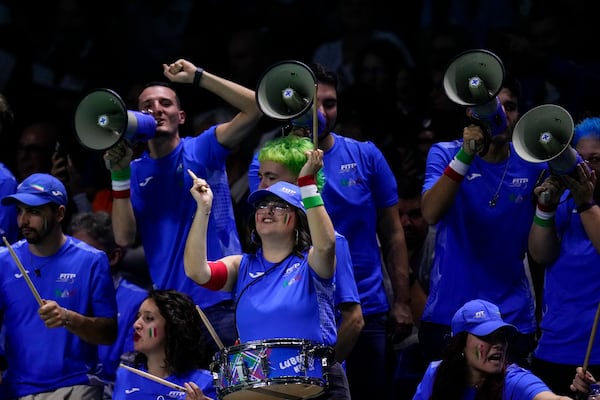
<point x="494" y="200"/>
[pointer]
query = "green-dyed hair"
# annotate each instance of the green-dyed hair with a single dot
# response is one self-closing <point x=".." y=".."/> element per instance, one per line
<point x="290" y="151"/>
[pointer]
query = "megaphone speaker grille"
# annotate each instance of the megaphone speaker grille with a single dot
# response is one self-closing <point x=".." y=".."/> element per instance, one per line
<point x="100" y="119"/>
<point x="286" y="90"/>
<point x="543" y="133"/>
<point x="473" y="77"/>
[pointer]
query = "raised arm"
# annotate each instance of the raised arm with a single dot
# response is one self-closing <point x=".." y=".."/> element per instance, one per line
<point x="230" y="133"/>
<point x="543" y="243"/>
<point x="117" y="160"/>
<point x="321" y="256"/>
<point x="219" y="275"/>
<point x="437" y="200"/>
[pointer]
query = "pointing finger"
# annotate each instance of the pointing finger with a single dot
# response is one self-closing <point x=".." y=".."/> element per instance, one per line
<point x="192" y="174"/>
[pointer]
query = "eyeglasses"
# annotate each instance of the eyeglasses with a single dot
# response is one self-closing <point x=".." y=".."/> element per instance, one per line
<point x="595" y="160"/>
<point x="276" y="207"/>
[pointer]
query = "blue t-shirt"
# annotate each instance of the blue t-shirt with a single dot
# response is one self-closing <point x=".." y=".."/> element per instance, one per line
<point x="78" y="278"/>
<point x="519" y="384"/>
<point x="8" y="214"/>
<point x="164" y="209"/>
<point x="285" y="300"/>
<point x="131" y="386"/>
<point x="479" y="249"/>
<point x="571" y="292"/>
<point x="358" y="183"/>
<point x="346" y="290"/>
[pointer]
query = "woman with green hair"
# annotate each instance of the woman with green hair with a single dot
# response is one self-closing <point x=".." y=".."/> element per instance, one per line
<point x="281" y="159"/>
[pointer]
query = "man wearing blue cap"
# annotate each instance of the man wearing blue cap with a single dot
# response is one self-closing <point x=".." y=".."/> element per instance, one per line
<point x="475" y="365"/>
<point x="51" y="348"/>
<point x="284" y="286"/>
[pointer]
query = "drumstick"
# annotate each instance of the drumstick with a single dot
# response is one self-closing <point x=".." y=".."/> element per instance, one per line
<point x="153" y="378"/>
<point x="591" y="342"/>
<point x="210" y="328"/>
<point x="315" y="121"/>
<point x="23" y="272"/>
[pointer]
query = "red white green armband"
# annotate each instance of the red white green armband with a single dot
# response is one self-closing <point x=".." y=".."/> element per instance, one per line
<point x="121" y="182"/>
<point x="458" y="167"/>
<point x="544" y="215"/>
<point x="310" y="194"/>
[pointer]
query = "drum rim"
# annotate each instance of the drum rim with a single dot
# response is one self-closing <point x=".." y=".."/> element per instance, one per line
<point x="273" y="382"/>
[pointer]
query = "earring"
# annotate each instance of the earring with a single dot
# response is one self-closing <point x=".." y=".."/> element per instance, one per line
<point x="296" y="230"/>
<point x="253" y="237"/>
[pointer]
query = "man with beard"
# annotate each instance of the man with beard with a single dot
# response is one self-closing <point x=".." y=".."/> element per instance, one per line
<point x="51" y="348"/>
<point x="482" y="205"/>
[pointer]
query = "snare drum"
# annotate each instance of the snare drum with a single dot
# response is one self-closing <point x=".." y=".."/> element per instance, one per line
<point x="271" y="369"/>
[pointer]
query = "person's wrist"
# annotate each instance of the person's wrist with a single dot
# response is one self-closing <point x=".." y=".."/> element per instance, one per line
<point x="65" y="317"/>
<point x="197" y="76"/>
<point x="121" y="182"/>
<point x="309" y="191"/>
<point x="585" y="206"/>
<point x="544" y="215"/>
<point x="458" y="167"/>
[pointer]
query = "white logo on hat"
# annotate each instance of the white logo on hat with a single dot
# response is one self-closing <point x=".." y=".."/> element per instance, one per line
<point x="288" y="190"/>
<point x="480" y="314"/>
<point x="56" y="193"/>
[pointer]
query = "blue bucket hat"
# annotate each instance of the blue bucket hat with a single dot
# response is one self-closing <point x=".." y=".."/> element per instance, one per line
<point x="37" y="190"/>
<point x="284" y="190"/>
<point x="480" y="318"/>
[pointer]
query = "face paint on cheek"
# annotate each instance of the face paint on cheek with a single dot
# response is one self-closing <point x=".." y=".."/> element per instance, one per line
<point x="151" y="332"/>
<point x="286" y="219"/>
<point x="478" y="352"/>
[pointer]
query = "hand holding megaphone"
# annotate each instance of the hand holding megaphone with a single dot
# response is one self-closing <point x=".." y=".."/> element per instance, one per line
<point x="474" y="140"/>
<point x="118" y="157"/>
<point x="550" y="190"/>
<point x="582" y="188"/>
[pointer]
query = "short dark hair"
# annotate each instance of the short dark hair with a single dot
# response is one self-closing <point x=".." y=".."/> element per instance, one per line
<point x="96" y="224"/>
<point x="324" y="74"/>
<point x="511" y="83"/>
<point x="163" y="84"/>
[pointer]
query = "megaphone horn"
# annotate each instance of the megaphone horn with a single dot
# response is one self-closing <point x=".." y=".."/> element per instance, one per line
<point x="286" y="90"/>
<point x="544" y="133"/>
<point x="474" y="77"/>
<point x="102" y="120"/>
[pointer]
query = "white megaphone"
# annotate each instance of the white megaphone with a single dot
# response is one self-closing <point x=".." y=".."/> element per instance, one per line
<point x="286" y="91"/>
<point x="544" y="134"/>
<point x="102" y="120"/>
<point x="474" y="79"/>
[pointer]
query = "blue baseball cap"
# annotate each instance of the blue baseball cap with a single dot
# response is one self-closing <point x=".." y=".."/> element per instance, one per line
<point x="285" y="191"/>
<point x="37" y="190"/>
<point x="480" y="318"/>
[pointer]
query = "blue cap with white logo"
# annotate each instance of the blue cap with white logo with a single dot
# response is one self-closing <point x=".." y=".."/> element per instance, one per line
<point x="285" y="191"/>
<point x="37" y="190"/>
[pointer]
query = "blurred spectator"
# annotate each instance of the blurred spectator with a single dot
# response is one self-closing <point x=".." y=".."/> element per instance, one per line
<point x="358" y="26"/>
<point x="381" y="99"/>
<point x="8" y="182"/>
